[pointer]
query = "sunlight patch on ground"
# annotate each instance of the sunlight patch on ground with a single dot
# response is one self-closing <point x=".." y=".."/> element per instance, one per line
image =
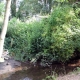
<point x="1" y="59"/>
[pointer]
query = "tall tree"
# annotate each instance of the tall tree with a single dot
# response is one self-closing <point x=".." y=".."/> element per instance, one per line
<point x="4" y="28"/>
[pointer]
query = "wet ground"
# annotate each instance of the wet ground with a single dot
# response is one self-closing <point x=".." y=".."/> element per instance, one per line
<point x="15" y="70"/>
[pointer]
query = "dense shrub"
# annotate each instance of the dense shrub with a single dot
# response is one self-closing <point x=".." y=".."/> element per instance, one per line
<point x="16" y="38"/>
<point x="23" y="40"/>
<point x="53" y="39"/>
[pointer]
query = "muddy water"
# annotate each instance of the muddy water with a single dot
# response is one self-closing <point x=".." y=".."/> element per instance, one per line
<point x="29" y="71"/>
<point x="33" y="73"/>
<point x="38" y="73"/>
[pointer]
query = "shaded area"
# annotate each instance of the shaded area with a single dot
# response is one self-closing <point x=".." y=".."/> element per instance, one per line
<point x="31" y="72"/>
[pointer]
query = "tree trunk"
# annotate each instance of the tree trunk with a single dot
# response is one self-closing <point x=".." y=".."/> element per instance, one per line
<point x="5" y="24"/>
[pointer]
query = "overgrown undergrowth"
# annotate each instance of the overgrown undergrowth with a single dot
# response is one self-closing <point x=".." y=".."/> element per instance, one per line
<point x="56" y="38"/>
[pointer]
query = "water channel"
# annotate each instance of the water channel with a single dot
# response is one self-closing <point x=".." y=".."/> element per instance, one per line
<point x="31" y="72"/>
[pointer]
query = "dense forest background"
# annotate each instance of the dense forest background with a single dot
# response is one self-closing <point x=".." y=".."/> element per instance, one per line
<point x="43" y="30"/>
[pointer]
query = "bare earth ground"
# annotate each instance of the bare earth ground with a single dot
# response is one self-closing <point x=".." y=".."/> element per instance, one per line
<point x="70" y="77"/>
<point x="75" y="75"/>
<point x="10" y="66"/>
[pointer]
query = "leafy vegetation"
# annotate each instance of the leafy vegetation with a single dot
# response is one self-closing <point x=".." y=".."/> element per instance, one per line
<point x="50" y="78"/>
<point x="55" y="38"/>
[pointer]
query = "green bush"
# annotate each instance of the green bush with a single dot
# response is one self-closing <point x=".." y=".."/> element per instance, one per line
<point x="16" y="38"/>
<point x="23" y="39"/>
<point x="53" y="39"/>
<point x="58" y="43"/>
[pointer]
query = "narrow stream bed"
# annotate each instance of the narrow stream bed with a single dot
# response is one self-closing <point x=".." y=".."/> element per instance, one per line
<point x="31" y="72"/>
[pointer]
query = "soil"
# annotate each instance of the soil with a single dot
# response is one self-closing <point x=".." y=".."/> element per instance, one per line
<point x="15" y="70"/>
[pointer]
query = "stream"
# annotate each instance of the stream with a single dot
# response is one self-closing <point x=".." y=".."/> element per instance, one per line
<point x="31" y="72"/>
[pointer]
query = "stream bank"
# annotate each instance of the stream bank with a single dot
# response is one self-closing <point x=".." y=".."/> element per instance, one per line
<point x="15" y="70"/>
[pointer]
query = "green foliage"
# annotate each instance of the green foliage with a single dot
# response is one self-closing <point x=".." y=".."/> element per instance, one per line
<point x="1" y="8"/>
<point x="51" y="77"/>
<point x="23" y="40"/>
<point x="16" y="38"/>
<point x="62" y="45"/>
<point x="61" y="0"/>
<point x="28" y="8"/>
<point x="53" y="39"/>
<point x="13" y="8"/>
<point x="76" y="7"/>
